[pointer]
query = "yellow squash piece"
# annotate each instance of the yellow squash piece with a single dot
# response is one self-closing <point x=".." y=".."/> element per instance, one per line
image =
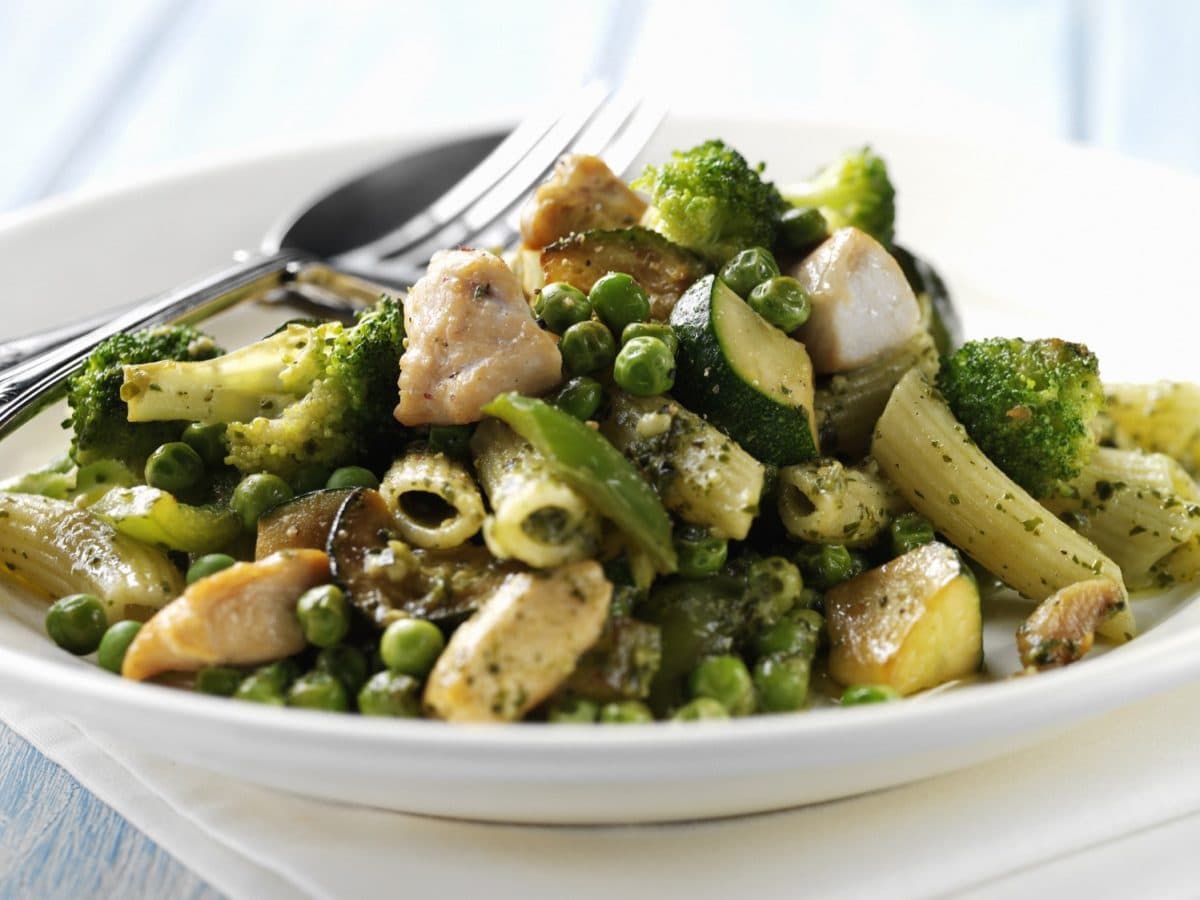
<point x="241" y="616"/>
<point x="912" y="623"/>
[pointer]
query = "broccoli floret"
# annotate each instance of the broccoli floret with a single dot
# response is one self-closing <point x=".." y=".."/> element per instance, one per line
<point x="852" y="190"/>
<point x="1027" y="404"/>
<point x="305" y="396"/>
<point x="98" y="414"/>
<point x="711" y="201"/>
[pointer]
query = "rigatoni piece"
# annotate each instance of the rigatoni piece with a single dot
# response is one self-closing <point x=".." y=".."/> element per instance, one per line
<point x="523" y="644"/>
<point x="926" y="453"/>
<point x="824" y="502"/>
<point x="536" y="517"/>
<point x="434" y="500"/>
<point x="701" y="475"/>
<point x="1137" y="507"/>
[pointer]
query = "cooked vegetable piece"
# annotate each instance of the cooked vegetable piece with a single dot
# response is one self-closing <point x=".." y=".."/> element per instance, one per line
<point x="155" y="517"/>
<point x="304" y="521"/>
<point x="748" y="269"/>
<point x="924" y="451"/>
<point x="111" y="653"/>
<point x="581" y="194"/>
<point x="390" y="694"/>
<point x="621" y="664"/>
<point x="243" y="615"/>
<point x="55" y="548"/>
<point x="318" y="690"/>
<point x="644" y="367"/>
<point x="220" y="681"/>
<point x="909" y="531"/>
<point x="411" y="646"/>
<point x="700" y="709"/>
<point x="746" y="377"/>
<point x="1029" y="405"/>
<point x="700" y="552"/>
<point x="588" y="347"/>
<point x="826" y="565"/>
<point x="825" y="502"/>
<point x="589" y="463"/>
<point x="521" y="646"/>
<point x="77" y="623"/>
<point x="781" y="683"/>
<point x="912" y="623"/>
<point x="387" y="579"/>
<point x="782" y="301"/>
<point x="938" y="313"/>
<point x="581" y="397"/>
<point x="710" y="200"/>
<point x="323" y="614"/>
<point x="209" y="564"/>
<point x="471" y="335"/>
<point x="208" y="441"/>
<point x="862" y="306"/>
<point x="433" y="499"/>
<point x="625" y="712"/>
<point x="773" y="587"/>
<point x="258" y="494"/>
<point x="1061" y="630"/>
<point x="619" y="301"/>
<point x="572" y="711"/>
<point x="351" y="477"/>
<point x="663" y="269"/>
<point x="852" y="190"/>
<point x="174" y="467"/>
<point x="347" y="664"/>
<point x="660" y="330"/>
<point x="726" y="680"/>
<point x="1163" y="417"/>
<point x="801" y="228"/>
<point x="560" y="306"/>
<point x="862" y="694"/>
<point x="268" y="684"/>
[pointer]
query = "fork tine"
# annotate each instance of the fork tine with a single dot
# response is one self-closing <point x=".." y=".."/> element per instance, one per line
<point x="617" y="133"/>
<point x="528" y="147"/>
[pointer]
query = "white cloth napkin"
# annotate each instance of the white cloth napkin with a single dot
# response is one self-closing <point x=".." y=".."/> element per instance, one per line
<point x="1112" y="806"/>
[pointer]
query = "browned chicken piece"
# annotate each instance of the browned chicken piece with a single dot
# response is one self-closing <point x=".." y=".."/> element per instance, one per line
<point x="523" y="643"/>
<point x="241" y="616"/>
<point x="471" y="336"/>
<point x="582" y="194"/>
<point x="1062" y="628"/>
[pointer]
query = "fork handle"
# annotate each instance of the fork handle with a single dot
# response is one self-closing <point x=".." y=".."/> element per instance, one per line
<point x="28" y="387"/>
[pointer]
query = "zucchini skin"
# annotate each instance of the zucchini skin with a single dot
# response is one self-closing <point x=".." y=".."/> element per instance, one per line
<point x="707" y="382"/>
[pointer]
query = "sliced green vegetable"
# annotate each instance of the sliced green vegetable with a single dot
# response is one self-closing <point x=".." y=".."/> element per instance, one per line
<point x="156" y="517"/>
<point x="589" y="463"/>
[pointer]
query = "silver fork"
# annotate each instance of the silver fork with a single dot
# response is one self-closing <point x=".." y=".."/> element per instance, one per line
<point x="481" y="209"/>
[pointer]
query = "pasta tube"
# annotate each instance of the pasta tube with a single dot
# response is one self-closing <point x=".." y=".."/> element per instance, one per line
<point x="824" y="502"/>
<point x="937" y="468"/>
<point x="536" y="517"/>
<point x="434" y="500"/>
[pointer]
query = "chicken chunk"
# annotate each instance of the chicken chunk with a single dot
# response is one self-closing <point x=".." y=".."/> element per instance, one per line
<point x="582" y="194"/>
<point x="862" y="306"/>
<point x="471" y="336"/>
<point x="523" y="644"/>
<point x="243" y="615"/>
<point x="1062" y="628"/>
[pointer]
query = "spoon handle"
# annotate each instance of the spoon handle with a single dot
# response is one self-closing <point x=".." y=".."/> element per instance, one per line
<point x="27" y="387"/>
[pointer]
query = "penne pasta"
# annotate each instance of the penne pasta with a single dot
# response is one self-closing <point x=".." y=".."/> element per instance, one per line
<point x="434" y="500"/>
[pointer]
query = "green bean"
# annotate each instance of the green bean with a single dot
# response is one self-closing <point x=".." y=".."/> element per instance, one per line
<point x="77" y="623"/>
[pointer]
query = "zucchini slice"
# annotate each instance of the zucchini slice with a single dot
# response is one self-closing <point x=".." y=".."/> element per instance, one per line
<point x="744" y="375"/>
<point x="665" y="270"/>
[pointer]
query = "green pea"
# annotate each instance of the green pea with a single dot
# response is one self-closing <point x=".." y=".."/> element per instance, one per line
<point x="625" y="712"/>
<point x="811" y="599"/>
<point x="587" y="347"/>
<point x="347" y="664"/>
<point x="208" y="441"/>
<point x="701" y="708"/>
<point x="699" y="552"/>
<point x="802" y="227"/>
<point x="352" y="477"/>
<point x="749" y="269"/>
<point x="174" y="467"/>
<point x="77" y="623"/>
<point x="858" y="694"/>
<point x="390" y="694"/>
<point x="255" y="494"/>
<point x="660" y="330"/>
<point x="573" y="710"/>
<point x="411" y="646"/>
<point x="268" y="684"/>
<point x="645" y="367"/>
<point x="220" y="681"/>
<point x="560" y="306"/>
<point x="453" y="440"/>
<point x="773" y="585"/>
<point x="787" y="637"/>
<point x="783" y="302"/>
<point x="318" y="690"/>
<point x="324" y="615"/>
<point x="209" y="564"/>
<point x="827" y="565"/>
<point x="581" y="397"/>
<point x="310" y="478"/>
<point x="725" y="679"/>
<point x="111" y="652"/>
<point x="909" y="531"/>
<point x="782" y="683"/>
<point x="619" y="300"/>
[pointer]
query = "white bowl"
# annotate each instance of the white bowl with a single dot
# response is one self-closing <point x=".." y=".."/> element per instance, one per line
<point x="1034" y="240"/>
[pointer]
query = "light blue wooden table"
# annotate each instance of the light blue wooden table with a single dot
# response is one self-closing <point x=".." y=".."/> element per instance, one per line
<point x="92" y="93"/>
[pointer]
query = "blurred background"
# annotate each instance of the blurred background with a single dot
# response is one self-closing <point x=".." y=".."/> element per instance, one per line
<point x="102" y="92"/>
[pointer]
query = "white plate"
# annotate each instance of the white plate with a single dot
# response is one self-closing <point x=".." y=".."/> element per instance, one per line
<point x="1077" y="244"/>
